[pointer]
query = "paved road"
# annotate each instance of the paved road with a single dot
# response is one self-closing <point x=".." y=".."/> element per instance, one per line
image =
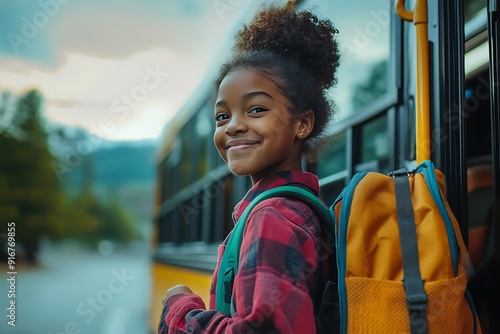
<point x="74" y="291"/>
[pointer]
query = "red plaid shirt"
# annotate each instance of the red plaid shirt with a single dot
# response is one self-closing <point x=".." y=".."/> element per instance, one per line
<point x="283" y="269"/>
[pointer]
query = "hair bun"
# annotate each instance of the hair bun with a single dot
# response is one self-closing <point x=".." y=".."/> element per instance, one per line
<point x="300" y="36"/>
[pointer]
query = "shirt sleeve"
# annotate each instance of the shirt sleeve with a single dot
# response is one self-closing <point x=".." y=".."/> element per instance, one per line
<point x="271" y="293"/>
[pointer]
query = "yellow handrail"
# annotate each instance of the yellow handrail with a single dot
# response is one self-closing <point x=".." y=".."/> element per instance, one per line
<point x="420" y="20"/>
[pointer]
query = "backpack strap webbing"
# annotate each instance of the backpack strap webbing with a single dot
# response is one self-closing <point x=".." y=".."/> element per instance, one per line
<point x="229" y="263"/>
<point x="416" y="298"/>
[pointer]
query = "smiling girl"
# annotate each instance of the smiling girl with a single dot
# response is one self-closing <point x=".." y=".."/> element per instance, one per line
<point x="271" y="109"/>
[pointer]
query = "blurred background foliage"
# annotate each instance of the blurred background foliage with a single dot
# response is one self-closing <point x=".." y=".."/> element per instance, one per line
<point x="53" y="190"/>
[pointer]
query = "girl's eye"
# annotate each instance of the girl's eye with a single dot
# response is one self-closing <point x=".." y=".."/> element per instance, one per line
<point x="221" y="116"/>
<point x="256" y="110"/>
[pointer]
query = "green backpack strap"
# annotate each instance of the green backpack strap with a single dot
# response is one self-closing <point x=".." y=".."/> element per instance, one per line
<point x="229" y="263"/>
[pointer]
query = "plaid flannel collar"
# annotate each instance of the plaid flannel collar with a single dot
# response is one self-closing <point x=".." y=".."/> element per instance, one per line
<point x="272" y="181"/>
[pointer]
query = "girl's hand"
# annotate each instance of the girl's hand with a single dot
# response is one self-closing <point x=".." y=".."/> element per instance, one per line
<point x="176" y="290"/>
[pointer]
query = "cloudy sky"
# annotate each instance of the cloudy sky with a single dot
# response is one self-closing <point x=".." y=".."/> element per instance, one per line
<point x="122" y="68"/>
<point x="119" y="68"/>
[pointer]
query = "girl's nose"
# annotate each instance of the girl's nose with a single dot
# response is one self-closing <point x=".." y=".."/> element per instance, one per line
<point x="235" y="125"/>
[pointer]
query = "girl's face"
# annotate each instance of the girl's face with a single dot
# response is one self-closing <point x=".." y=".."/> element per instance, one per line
<point x="255" y="133"/>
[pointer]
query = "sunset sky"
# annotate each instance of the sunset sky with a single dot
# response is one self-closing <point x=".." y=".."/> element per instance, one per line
<point x="122" y="68"/>
<point x="127" y="63"/>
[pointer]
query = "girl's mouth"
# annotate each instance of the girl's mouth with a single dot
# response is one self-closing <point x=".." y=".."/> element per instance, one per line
<point x="240" y="144"/>
<point x="240" y="147"/>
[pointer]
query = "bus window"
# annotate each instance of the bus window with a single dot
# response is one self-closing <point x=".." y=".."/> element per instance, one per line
<point x="477" y="115"/>
<point x="176" y="227"/>
<point x="204" y="130"/>
<point x="329" y="192"/>
<point x="186" y="161"/>
<point x="331" y="167"/>
<point x="166" y="185"/>
<point x="364" y="39"/>
<point x="173" y="161"/>
<point x="332" y="158"/>
<point x="374" y="144"/>
<point x="473" y="8"/>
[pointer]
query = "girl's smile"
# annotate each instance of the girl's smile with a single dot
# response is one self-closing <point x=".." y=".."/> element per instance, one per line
<point x="240" y="144"/>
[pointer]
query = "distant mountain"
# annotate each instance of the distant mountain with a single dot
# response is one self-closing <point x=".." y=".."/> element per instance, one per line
<point x="124" y="164"/>
<point x="120" y="171"/>
<point x="79" y="139"/>
<point x="112" y="167"/>
<point x="82" y="156"/>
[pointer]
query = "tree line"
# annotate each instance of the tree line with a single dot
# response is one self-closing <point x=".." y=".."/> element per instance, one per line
<point x="31" y="194"/>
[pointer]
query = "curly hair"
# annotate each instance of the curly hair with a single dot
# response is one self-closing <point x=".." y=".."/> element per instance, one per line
<point x="299" y="54"/>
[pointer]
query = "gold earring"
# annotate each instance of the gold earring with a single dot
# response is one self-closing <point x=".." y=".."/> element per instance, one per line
<point x="301" y="134"/>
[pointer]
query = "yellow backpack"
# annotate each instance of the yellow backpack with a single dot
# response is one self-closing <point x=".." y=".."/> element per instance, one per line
<point x="400" y="255"/>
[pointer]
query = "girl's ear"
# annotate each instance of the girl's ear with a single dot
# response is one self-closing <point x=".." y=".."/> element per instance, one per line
<point x="306" y="124"/>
